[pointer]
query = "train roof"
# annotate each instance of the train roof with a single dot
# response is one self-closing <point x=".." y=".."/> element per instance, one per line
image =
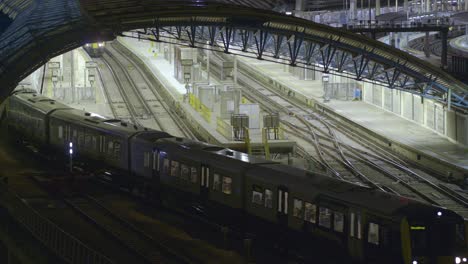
<point x="151" y="136"/>
<point x="98" y="122"/>
<point x="311" y="185"/>
<point x="211" y="152"/>
<point x="38" y="102"/>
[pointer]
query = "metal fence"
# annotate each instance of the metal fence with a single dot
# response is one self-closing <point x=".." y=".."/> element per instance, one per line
<point x="342" y="91"/>
<point x="64" y="245"/>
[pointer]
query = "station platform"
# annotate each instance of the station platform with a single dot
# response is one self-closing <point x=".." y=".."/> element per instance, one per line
<point x="412" y="140"/>
<point x="460" y="45"/>
<point x="206" y="124"/>
<point x="404" y="44"/>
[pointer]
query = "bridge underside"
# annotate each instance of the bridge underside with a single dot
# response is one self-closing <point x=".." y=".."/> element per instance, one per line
<point x="27" y="44"/>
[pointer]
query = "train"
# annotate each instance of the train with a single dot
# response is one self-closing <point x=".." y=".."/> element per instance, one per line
<point x="299" y="208"/>
<point x="95" y="49"/>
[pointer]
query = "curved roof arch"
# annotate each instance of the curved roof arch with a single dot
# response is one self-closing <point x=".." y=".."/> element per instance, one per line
<point x="36" y="35"/>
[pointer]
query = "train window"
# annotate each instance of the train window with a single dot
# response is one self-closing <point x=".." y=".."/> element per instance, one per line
<point x="87" y="141"/>
<point x="325" y="217"/>
<point x="94" y="139"/>
<point x="60" y="132"/>
<point x="216" y="182"/>
<point x="297" y="209"/>
<point x="166" y="166"/>
<point x="174" y="168"/>
<point x="268" y="198"/>
<point x="110" y="149"/>
<point x="184" y="172"/>
<point x="227" y="185"/>
<point x="338" y="222"/>
<point x="351" y="225"/>
<point x="146" y="159"/>
<point x="116" y="149"/>
<point x="257" y="195"/>
<point x="74" y="133"/>
<point x="373" y="234"/>
<point x="310" y="212"/>
<point x="80" y="139"/>
<point x="193" y="175"/>
<point x="359" y="226"/>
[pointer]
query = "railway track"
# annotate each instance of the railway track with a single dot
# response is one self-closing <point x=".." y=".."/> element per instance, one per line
<point x="368" y="164"/>
<point x="115" y="99"/>
<point x="150" y="99"/>
<point x="148" y="249"/>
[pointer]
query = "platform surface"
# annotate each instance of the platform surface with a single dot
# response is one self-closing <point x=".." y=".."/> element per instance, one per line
<point x="391" y="126"/>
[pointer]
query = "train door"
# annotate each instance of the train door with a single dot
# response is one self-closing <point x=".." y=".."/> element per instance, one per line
<point x="205" y="182"/>
<point x="155" y="178"/>
<point x="355" y="235"/>
<point x="283" y="202"/>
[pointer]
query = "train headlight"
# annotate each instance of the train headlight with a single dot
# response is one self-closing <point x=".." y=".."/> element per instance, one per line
<point x="87" y="45"/>
<point x="101" y="44"/>
<point x="464" y="259"/>
<point x="458" y="260"/>
<point x="415" y="262"/>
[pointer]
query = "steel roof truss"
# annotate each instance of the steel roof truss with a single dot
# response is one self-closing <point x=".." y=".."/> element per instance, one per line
<point x="260" y="38"/>
<point x="294" y="45"/>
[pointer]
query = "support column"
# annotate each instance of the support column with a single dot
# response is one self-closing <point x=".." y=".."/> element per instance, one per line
<point x="466" y="5"/>
<point x="428" y="5"/>
<point x="396" y="5"/>
<point x="300" y="5"/>
<point x="405" y="5"/>
<point x="426" y="46"/>
<point x="370" y="10"/>
<point x="443" y="55"/>
<point x="362" y="10"/>
<point x="377" y="7"/>
<point x="353" y="9"/>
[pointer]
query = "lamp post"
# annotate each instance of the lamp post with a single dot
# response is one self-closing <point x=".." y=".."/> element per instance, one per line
<point x="71" y="156"/>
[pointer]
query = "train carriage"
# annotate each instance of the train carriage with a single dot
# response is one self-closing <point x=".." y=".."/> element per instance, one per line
<point x="371" y="226"/>
<point x="97" y="139"/>
<point x="307" y="209"/>
<point x="28" y="114"/>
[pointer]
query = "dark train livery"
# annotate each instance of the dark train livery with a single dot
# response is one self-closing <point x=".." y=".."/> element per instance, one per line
<point x="303" y="208"/>
<point x="95" y="49"/>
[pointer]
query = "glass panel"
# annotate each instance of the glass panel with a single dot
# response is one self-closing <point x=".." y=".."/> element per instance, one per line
<point x="216" y="182"/>
<point x="227" y="185"/>
<point x="359" y="226"/>
<point x="297" y="209"/>
<point x="373" y="235"/>
<point x="60" y="132"/>
<point x="351" y="225"/>
<point x="257" y="195"/>
<point x="175" y="168"/>
<point x="310" y="212"/>
<point x="268" y="198"/>
<point x="184" y="172"/>
<point x="94" y="142"/>
<point x="338" y="222"/>
<point x="116" y="149"/>
<point x="146" y="159"/>
<point x="325" y="217"/>
<point x="166" y="166"/>
<point x="110" y="148"/>
<point x="193" y="175"/>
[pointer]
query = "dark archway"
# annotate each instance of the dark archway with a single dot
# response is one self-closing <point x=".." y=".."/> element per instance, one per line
<point x="37" y="35"/>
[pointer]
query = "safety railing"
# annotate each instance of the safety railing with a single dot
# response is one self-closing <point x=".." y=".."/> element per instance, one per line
<point x="204" y="111"/>
<point x="63" y="244"/>
<point x="224" y="128"/>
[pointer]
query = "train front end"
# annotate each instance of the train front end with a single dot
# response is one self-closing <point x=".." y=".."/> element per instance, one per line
<point x="435" y="236"/>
